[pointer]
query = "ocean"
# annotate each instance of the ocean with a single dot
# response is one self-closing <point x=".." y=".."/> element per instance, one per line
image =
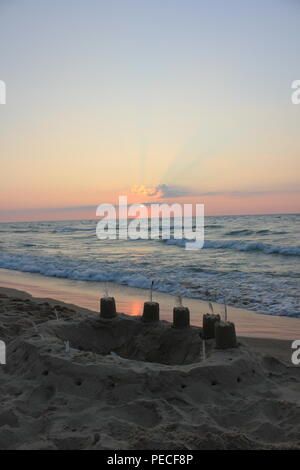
<point x="247" y="261"/>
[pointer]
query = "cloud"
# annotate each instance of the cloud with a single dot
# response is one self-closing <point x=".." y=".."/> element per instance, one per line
<point x="150" y="191"/>
<point x="160" y="191"/>
<point x="163" y="191"/>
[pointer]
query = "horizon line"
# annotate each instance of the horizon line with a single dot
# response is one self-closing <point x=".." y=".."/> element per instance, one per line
<point x="96" y="219"/>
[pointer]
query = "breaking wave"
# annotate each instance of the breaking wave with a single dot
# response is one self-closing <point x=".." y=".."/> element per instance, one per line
<point x="244" y="246"/>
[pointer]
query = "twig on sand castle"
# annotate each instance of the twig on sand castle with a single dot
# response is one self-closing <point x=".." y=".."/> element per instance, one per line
<point x="67" y="347"/>
<point x="35" y="328"/>
<point x="151" y="291"/>
<point x="56" y="314"/>
<point x="225" y="309"/>
<point x="203" y="349"/>
<point x="151" y="309"/>
<point x="225" y="335"/>
<point x="106" y="290"/>
<point x="211" y="309"/>
<point x="34" y="325"/>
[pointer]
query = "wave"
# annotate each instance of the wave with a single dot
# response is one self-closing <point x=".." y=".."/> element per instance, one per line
<point x="55" y="230"/>
<point x="240" y="232"/>
<point x="254" y="232"/>
<point x="20" y="231"/>
<point x="73" y="229"/>
<point x="271" y="296"/>
<point x="211" y="226"/>
<point x="243" y="246"/>
<point x="76" y="270"/>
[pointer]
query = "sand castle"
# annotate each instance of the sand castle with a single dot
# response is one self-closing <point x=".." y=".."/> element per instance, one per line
<point x="223" y="332"/>
<point x="209" y="321"/>
<point x="107" y="307"/>
<point x="75" y="379"/>
<point x="151" y="312"/>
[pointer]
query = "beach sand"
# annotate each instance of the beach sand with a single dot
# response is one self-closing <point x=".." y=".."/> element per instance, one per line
<point x="128" y="385"/>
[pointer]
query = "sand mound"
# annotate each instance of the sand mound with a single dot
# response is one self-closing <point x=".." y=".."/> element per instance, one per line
<point x="127" y="385"/>
<point x="130" y="338"/>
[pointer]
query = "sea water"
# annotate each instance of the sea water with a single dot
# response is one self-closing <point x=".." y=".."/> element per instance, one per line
<point x="247" y="261"/>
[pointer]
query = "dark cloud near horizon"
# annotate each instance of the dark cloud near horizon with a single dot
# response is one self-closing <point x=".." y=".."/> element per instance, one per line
<point x="164" y="191"/>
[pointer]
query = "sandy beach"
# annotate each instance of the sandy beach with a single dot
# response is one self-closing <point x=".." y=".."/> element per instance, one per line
<point x="124" y="384"/>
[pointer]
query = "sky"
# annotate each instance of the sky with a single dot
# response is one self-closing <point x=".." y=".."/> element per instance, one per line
<point x="173" y="101"/>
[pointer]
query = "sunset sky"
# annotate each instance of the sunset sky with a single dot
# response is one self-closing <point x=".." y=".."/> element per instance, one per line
<point x="161" y="100"/>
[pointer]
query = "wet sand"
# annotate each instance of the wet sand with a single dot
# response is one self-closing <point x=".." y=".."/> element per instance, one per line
<point x="130" y="301"/>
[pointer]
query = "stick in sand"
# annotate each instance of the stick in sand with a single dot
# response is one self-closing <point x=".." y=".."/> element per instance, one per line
<point x="151" y="309"/>
<point x="34" y="325"/>
<point x="225" y="308"/>
<point x="151" y="291"/>
<point x="56" y="314"/>
<point x="67" y="347"/>
<point x="105" y="290"/>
